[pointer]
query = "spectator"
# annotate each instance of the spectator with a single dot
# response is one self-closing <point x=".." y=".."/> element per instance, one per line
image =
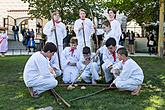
<point x="122" y="38"/>
<point x="15" y="29"/>
<point x="151" y="43"/>
<point x="131" y="42"/>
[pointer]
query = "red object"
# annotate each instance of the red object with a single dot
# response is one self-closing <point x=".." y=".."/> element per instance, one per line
<point x="114" y="56"/>
<point x="72" y="50"/>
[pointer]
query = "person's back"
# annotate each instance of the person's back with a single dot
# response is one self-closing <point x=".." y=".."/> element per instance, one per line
<point x="37" y="76"/>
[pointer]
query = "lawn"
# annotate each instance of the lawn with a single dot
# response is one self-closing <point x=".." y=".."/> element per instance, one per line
<point x="14" y="95"/>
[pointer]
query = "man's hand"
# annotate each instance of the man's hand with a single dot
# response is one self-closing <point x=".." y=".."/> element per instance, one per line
<point x="82" y="26"/>
<point x="52" y="70"/>
<point x="53" y="28"/>
<point x="110" y="66"/>
<point x="86" y="62"/>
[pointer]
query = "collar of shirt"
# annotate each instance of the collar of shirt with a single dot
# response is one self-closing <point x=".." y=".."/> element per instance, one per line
<point x="72" y="50"/>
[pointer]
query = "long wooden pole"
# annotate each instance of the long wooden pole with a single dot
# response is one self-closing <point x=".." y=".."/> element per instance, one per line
<point x="88" y="95"/>
<point x="55" y="34"/>
<point x="84" y="34"/>
<point x="161" y="23"/>
<point x="95" y="28"/>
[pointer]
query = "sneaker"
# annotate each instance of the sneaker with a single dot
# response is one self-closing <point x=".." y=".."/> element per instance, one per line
<point x="34" y="94"/>
<point x="136" y="91"/>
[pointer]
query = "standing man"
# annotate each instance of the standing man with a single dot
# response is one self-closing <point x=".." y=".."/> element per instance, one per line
<point x="15" y="29"/>
<point x="115" y="25"/>
<point x="83" y="27"/>
<point x="61" y="33"/>
<point x="59" y="28"/>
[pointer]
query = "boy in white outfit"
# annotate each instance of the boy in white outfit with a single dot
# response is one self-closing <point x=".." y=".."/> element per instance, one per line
<point x="89" y="65"/>
<point x="110" y="58"/>
<point x="83" y="28"/>
<point x="131" y="76"/>
<point x="70" y="58"/>
<point x="60" y="29"/>
<point x="37" y="76"/>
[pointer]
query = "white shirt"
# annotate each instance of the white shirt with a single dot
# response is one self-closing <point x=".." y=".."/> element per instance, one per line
<point x="60" y="30"/>
<point x="130" y="69"/>
<point x="116" y="29"/>
<point x="67" y="56"/>
<point x="88" y="30"/>
<point x="36" y="68"/>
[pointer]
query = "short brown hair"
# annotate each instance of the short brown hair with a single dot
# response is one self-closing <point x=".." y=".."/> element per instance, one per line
<point x="54" y="12"/>
<point x="106" y="23"/>
<point x="122" y="50"/>
<point x="49" y="46"/>
<point x="74" y="40"/>
<point x="82" y="10"/>
<point x="113" y="10"/>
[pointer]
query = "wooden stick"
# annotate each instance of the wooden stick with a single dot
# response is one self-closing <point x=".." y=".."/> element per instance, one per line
<point x="55" y="34"/>
<point x="84" y="34"/>
<point x="95" y="34"/>
<point x="83" y="84"/>
<point x="55" y="94"/>
<point x="88" y="95"/>
<point x="83" y="70"/>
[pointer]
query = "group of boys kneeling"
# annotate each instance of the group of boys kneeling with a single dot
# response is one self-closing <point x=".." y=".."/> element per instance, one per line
<point x="119" y="70"/>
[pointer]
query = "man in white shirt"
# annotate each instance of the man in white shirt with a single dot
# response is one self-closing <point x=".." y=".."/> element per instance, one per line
<point x="83" y="27"/>
<point x="37" y="74"/>
<point x="115" y="25"/>
<point x="60" y="29"/>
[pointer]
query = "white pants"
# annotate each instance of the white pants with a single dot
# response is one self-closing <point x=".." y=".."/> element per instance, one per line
<point x="130" y="84"/>
<point x="70" y="73"/>
<point x="91" y="70"/>
<point x="43" y="84"/>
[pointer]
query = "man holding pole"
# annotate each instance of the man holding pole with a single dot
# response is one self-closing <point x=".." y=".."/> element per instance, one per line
<point x="56" y="32"/>
<point x="83" y="27"/>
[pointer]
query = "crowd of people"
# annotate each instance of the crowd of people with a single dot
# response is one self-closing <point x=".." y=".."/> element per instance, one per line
<point x="78" y="60"/>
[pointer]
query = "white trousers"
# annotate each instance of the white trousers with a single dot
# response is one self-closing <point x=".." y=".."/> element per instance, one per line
<point x="43" y="84"/>
<point x="91" y="71"/>
<point x="70" y="73"/>
<point x="130" y="84"/>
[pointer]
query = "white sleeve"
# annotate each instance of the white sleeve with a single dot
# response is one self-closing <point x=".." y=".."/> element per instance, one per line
<point x="106" y="59"/>
<point x="117" y="32"/>
<point x="47" y="28"/>
<point x="64" y="31"/>
<point x="76" y="27"/>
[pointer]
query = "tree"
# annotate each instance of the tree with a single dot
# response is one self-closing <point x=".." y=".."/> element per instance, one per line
<point x="143" y="11"/>
<point x="68" y="8"/>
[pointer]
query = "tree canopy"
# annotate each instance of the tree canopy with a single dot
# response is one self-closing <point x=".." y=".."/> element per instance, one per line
<point x="143" y="11"/>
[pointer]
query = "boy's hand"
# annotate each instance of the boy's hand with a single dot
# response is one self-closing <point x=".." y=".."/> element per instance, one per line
<point x="86" y="62"/>
<point x="52" y="70"/>
<point x="53" y="28"/>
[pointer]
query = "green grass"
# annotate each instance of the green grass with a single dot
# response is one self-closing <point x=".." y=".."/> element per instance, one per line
<point x="14" y="95"/>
